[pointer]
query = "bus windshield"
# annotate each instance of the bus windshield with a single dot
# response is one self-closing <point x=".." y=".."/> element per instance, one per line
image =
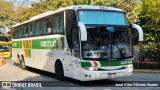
<point x="3" y="38"/>
<point x="4" y="48"/>
<point x="103" y="44"/>
<point x="102" y="17"/>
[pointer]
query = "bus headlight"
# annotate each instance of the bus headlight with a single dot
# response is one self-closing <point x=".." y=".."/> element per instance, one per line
<point x="91" y="68"/>
<point x="130" y="65"/>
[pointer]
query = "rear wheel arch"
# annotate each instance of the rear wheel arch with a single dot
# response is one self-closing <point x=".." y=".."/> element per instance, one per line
<point x="18" y="60"/>
<point x="23" y="63"/>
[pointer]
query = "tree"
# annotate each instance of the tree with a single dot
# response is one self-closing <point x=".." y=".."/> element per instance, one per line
<point x="150" y="20"/>
<point x="20" y="13"/>
<point x="6" y="10"/>
<point x="131" y="7"/>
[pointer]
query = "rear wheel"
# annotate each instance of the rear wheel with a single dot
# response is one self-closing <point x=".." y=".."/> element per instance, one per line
<point x="23" y="64"/>
<point x="59" y="71"/>
<point x="19" y="61"/>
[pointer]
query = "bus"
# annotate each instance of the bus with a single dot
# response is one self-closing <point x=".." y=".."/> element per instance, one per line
<point x="5" y="46"/>
<point x="83" y="42"/>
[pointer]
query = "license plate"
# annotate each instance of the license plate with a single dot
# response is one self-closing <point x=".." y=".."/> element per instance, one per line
<point x="111" y="75"/>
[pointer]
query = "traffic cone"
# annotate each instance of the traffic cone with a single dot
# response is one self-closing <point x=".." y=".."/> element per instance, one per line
<point x="2" y="59"/>
<point x="1" y="62"/>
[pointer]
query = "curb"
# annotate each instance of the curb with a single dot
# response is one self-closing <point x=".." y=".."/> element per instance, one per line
<point x="146" y="71"/>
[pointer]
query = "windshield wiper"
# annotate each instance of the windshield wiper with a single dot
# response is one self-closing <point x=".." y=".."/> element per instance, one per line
<point x="121" y="54"/>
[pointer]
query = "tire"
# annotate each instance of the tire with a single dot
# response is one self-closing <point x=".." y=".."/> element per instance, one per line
<point x="19" y="62"/>
<point x="23" y="64"/>
<point x="59" y="71"/>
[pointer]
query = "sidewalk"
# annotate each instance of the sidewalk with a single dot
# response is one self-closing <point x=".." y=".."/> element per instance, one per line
<point x="145" y="71"/>
<point x="11" y="72"/>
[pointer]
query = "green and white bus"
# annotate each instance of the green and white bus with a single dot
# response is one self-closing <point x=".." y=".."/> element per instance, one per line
<point x="83" y="42"/>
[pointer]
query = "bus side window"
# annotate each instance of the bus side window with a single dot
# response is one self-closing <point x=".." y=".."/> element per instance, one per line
<point x="23" y="31"/>
<point x="41" y="27"/>
<point x="59" y="23"/>
<point x="49" y="25"/>
<point x="72" y="32"/>
<point x="27" y="31"/>
<point x="38" y="30"/>
<point x="44" y="26"/>
<point x="75" y="42"/>
<point x="15" y="32"/>
<point x="56" y="24"/>
<point x="20" y="32"/>
<point x="30" y="29"/>
<point x="33" y="28"/>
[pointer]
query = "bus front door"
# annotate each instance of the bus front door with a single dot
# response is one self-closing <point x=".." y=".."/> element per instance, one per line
<point x="68" y="63"/>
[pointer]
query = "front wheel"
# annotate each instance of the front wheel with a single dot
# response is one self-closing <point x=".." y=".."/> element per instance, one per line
<point x="59" y="71"/>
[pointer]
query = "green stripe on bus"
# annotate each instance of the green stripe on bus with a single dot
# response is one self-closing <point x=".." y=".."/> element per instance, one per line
<point x="62" y="41"/>
<point x="27" y="43"/>
<point x="86" y="64"/>
<point x="49" y="43"/>
<point x="29" y="53"/>
<point x="16" y="44"/>
<point x="115" y="63"/>
<point x="108" y="63"/>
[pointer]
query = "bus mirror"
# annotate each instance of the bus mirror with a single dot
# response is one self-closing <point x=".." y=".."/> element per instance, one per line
<point x="140" y="31"/>
<point x="83" y="31"/>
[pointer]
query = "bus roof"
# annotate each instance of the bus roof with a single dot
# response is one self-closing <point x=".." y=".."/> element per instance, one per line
<point x="75" y="7"/>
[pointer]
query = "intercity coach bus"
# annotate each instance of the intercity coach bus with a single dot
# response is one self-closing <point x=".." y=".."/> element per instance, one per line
<point x="83" y="42"/>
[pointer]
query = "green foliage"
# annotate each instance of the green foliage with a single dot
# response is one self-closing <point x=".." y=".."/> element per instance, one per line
<point x="150" y="21"/>
<point x="132" y="7"/>
<point x="6" y="10"/>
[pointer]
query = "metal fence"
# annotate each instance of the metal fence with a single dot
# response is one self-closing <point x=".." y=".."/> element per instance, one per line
<point x="146" y="59"/>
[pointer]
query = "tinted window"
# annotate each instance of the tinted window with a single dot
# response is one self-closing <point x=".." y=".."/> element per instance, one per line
<point x="59" y="23"/>
<point x="102" y="17"/>
<point x="3" y="38"/>
<point x="70" y="27"/>
<point x="30" y="29"/>
<point x="38" y="30"/>
<point x="48" y="25"/>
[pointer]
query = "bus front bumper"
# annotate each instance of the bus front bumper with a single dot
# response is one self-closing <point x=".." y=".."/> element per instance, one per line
<point x="100" y="75"/>
<point x="7" y="54"/>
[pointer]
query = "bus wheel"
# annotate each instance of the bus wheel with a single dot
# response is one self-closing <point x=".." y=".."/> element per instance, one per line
<point x="23" y="64"/>
<point x="59" y="71"/>
<point x="19" y="62"/>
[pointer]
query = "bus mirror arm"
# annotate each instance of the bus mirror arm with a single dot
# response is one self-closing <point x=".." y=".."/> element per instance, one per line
<point x="83" y="31"/>
<point x="140" y="31"/>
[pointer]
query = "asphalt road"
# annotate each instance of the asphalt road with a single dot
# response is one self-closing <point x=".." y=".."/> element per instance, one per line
<point x="138" y="81"/>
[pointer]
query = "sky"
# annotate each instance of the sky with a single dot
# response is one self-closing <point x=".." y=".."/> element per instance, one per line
<point x="27" y="2"/>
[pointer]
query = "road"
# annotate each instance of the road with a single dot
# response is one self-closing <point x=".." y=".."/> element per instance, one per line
<point x="11" y="72"/>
